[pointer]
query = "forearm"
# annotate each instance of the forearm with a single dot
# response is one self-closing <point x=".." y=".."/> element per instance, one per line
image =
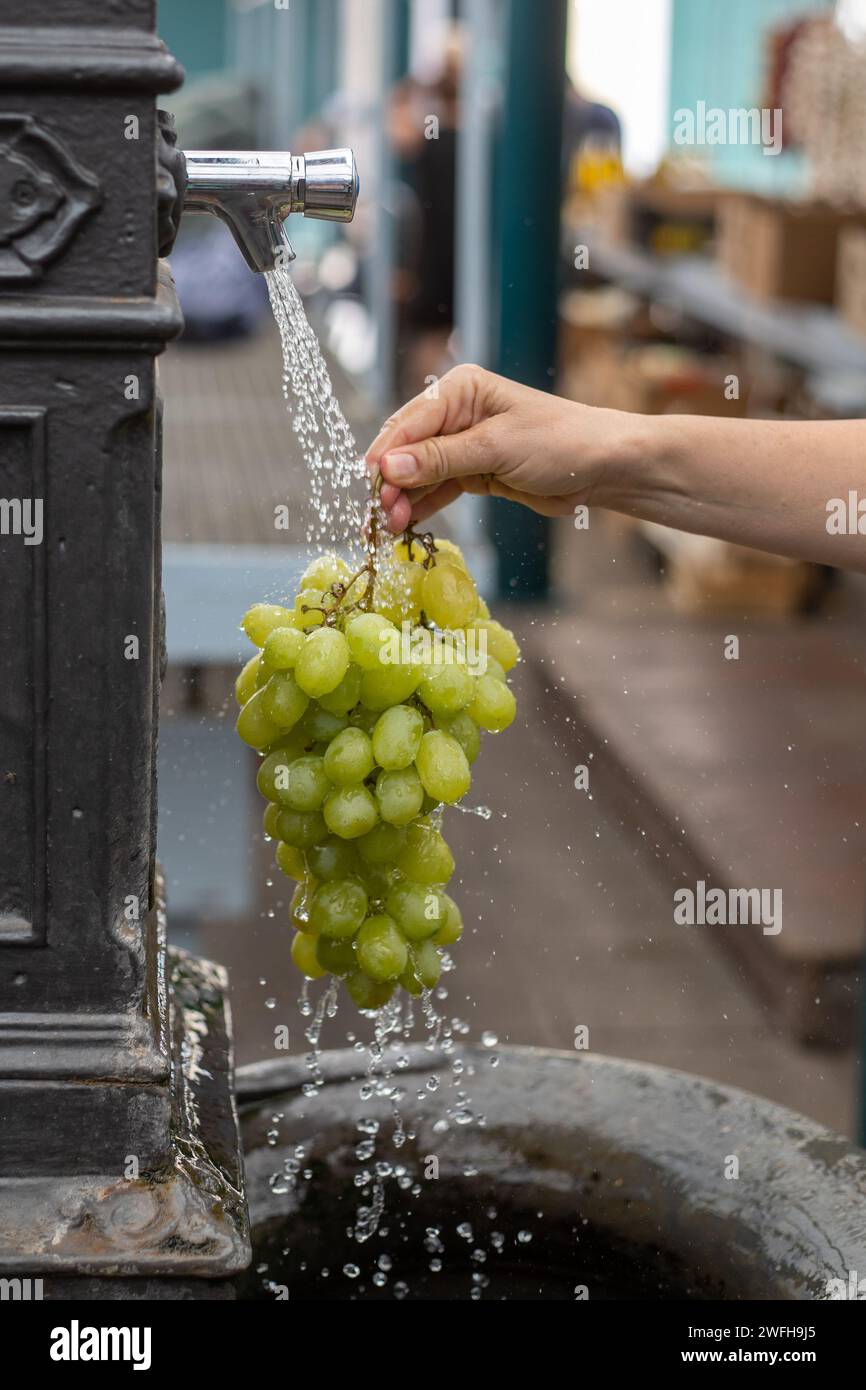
<point x="761" y="483"/>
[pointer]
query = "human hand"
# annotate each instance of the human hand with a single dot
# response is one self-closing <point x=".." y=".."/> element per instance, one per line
<point x="482" y="433"/>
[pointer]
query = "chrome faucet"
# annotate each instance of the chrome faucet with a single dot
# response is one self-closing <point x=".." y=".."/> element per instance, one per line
<point x="255" y="190"/>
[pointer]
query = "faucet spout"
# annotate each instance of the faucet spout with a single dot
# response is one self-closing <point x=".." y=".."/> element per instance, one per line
<point x="253" y="191"/>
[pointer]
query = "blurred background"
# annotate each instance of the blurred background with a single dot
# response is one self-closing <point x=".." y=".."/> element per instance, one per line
<point x="650" y="204"/>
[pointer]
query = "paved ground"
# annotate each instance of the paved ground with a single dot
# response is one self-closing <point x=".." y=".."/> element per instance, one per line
<point x="229" y="455"/>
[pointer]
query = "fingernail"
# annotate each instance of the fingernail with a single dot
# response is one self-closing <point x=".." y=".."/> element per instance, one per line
<point x="401" y="467"/>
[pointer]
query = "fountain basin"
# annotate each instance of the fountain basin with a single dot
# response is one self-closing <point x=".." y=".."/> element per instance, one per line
<point x="615" y="1170"/>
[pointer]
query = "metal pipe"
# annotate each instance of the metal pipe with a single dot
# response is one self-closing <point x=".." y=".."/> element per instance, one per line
<point x="253" y="191"/>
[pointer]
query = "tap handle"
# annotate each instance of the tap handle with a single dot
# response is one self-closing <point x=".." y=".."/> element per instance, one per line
<point x="327" y="185"/>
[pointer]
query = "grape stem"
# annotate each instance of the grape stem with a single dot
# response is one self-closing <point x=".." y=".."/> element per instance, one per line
<point x="426" y="539"/>
<point x="340" y="590"/>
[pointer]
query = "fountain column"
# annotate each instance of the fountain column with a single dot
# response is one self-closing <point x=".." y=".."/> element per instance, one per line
<point x="119" y="1155"/>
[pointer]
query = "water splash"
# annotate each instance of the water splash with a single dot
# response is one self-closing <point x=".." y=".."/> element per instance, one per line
<point x="483" y="811"/>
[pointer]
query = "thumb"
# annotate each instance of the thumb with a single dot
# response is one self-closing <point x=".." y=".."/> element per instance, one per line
<point x="433" y="461"/>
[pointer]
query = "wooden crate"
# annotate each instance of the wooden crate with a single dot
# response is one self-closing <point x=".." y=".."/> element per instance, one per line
<point x="706" y="576"/>
<point x="778" y="249"/>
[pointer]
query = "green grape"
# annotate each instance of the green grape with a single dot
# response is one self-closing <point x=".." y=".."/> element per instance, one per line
<point x="493" y="668"/>
<point x="304" y="955"/>
<point x="338" y="908"/>
<point x="324" y="571"/>
<point x="323" y="662"/>
<point x="397" y="737"/>
<point x="283" y="700"/>
<point x="305" y="784"/>
<point x="308" y="606"/>
<point x="336" y="956"/>
<point x="500" y="643"/>
<point x="333" y="858"/>
<point x="451" y="929"/>
<point x="443" y="767"/>
<point x="269" y="821"/>
<point x="349" y="758"/>
<point x="282" y="648"/>
<point x="264" y="673"/>
<point x="411" y="550"/>
<point x="365" y="719"/>
<point x="427" y="964"/>
<point x="289" y="745"/>
<point x="245" y="684"/>
<point x="389" y="685"/>
<point x="382" y="952"/>
<point x="367" y="634"/>
<point x="303" y="829"/>
<point x="367" y="993"/>
<point x="320" y="727"/>
<point x="416" y="908"/>
<point x="423" y="969"/>
<point x="254" y="726"/>
<point x="399" y="795"/>
<point x="494" y="705"/>
<point x="259" y="621"/>
<point x="398" y="593"/>
<point x="446" y="689"/>
<point x="378" y="879"/>
<point x="449" y="596"/>
<point x="344" y="696"/>
<point x="425" y="857"/>
<point x="272" y="772"/>
<point x="350" y="812"/>
<point x="465" y="730"/>
<point x="449" y="551"/>
<point x="382" y="844"/>
<point x="409" y="980"/>
<point x="291" y="860"/>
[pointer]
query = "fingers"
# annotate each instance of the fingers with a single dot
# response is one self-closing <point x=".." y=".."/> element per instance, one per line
<point x="419" y="508"/>
<point x="454" y="406"/>
<point x="400" y="514"/>
<point x="431" y="462"/>
<point x="434" y="501"/>
<point x="388" y="495"/>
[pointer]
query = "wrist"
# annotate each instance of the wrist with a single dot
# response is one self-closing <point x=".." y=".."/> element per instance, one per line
<point x="641" y="464"/>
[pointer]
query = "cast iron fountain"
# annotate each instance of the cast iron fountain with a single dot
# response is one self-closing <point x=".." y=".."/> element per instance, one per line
<point x="120" y="1156"/>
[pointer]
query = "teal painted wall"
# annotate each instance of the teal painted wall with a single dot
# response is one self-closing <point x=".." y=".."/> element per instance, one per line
<point x="292" y="54"/>
<point x="195" y="32"/>
<point x="717" y="56"/>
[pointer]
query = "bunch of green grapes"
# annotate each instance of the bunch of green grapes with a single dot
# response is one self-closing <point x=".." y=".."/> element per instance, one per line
<point x="366" y="731"/>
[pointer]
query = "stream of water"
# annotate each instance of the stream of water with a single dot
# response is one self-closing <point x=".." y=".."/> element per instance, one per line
<point x="336" y="472"/>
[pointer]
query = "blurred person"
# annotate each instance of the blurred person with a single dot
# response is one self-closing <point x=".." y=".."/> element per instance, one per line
<point x="793" y="488"/>
<point x="585" y="124"/>
<point x="422" y="128"/>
